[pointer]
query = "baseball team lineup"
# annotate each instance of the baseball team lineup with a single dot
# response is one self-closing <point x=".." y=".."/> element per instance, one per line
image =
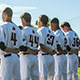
<point x="43" y="54"/>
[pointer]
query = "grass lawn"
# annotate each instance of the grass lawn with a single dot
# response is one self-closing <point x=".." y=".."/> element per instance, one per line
<point x="79" y="73"/>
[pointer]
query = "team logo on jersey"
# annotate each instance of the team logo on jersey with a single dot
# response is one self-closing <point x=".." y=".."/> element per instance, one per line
<point x="33" y="31"/>
<point x="13" y="28"/>
<point x="49" y="31"/>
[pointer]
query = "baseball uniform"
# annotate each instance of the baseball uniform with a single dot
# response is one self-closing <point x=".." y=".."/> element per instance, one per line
<point x="10" y="65"/>
<point x="46" y="61"/>
<point x="61" y="59"/>
<point x="72" y="59"/>
<point x="29" y="62"/>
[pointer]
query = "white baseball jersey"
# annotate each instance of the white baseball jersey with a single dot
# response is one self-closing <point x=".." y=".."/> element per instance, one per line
<point x="73" y="39"/>
<point x="48" y="38"/>
<point x="11" y="35"/>
<point x="31" y="37"/>
<point x="62" y="38"/>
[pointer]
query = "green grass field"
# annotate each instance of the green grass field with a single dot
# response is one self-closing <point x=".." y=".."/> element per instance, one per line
<point x="79" y="73"/>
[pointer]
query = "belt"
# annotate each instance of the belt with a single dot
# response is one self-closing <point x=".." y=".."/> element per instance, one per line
<point x="25" y="53"/>
<point x="70" y="53"/>
<point x="45" y="54"/>
<point x="7" y="55"/>
<point x="59" y="54"/>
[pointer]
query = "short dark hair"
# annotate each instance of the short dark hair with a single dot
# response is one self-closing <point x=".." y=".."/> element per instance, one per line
<point x="44" y="19"/>
<point x="55" y="20"/>
<point x="65" y="24"/>
<point x="26" y="16"/>
<point x="8" y="11"/>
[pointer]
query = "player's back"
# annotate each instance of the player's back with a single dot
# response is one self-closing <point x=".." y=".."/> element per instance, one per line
<point x="73" y="39"/>
<point x="12" y="35"/>
<point x="62" y="38"/>
<point x="31" y="36"/>
<point x="48" y="37"/>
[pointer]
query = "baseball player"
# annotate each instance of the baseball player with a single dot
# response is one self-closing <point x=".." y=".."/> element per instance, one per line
<point x="60" y="58"/>
<point x="28" y="60"/>
<point x="10" y="40"/>
<point x="72" y="58"/>
<point x="48" y="43"/>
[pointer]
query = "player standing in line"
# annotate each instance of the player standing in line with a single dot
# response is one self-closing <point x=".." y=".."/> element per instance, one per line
<point x="72" y="58"/>
<point x="10" y="65"/>
<point x="29" y="60"/>
<point x="60" y="58"/>
<point x="48" y="43"/>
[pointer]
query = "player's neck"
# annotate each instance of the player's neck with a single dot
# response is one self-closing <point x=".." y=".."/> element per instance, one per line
<point x="29" y="25"/>
<point x="9" y="20"/>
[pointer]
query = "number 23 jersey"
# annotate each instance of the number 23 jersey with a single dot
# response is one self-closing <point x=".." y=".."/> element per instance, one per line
<point x="48" y="38"/>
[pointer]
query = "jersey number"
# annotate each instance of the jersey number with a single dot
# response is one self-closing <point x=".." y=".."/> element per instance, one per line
<point x="13" y="37"/>
<point x="50" y="39"/>
<point x="65" y="42"/>
<point x="76" y="42"/>
<point x="34" y="39"/>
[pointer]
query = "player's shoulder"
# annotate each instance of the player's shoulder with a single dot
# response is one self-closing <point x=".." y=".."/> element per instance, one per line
<point x="50" y="31"/>
<point x="75" y="34"/>
<point x="34" y="30"/>
<point x="59" y="31"/>
<point x="15" y="26"/>
<point x="69" y="34"/>
<point x="25" y="29"/>
<point x="4" y="24"/>
<point x="41" y="29"/>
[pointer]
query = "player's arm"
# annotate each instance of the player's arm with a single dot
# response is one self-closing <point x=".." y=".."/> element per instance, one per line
<point x="74" y="51"/>
<point x="60" y="50"/>
<point x="47" y="50"/>
<point x="35" y="52"/>
<point x="70" y="50"/>
<point x="4" y="48"/>
<point x="28" y="50"/>
<point x="12" y="50"/>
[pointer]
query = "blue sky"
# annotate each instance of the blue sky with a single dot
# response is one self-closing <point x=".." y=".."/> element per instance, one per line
<point x="65" y="10"/>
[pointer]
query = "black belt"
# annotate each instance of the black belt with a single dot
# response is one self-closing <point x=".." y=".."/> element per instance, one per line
<point x="25" y="53"/>
<point x="45" y="54"/>
<point x="70" y="53"/>
<point x="7" y="55"/>
<point x="59" y="54"/>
